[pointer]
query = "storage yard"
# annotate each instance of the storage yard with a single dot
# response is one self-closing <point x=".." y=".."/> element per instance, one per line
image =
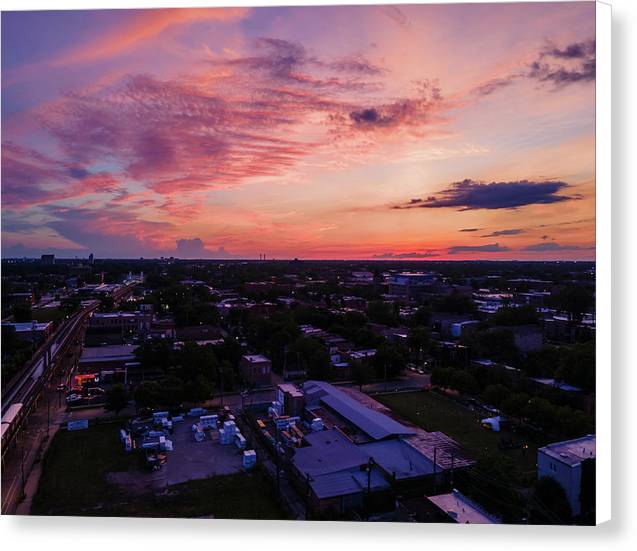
<point x="89" y="472"/>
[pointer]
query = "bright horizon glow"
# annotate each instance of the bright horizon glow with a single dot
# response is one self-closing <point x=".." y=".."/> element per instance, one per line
<point x="419" y="132"/>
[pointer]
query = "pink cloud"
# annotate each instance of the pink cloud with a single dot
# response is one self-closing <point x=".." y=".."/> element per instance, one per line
<point x="31" y="178"/>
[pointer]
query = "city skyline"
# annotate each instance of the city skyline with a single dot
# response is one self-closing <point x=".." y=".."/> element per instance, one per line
<point x="227" y="133"/>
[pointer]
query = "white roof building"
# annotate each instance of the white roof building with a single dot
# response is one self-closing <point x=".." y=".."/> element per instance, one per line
<point x="461" y="509"/>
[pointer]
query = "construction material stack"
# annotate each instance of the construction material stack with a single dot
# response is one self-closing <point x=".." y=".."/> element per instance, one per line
<point x="249" y="459"/>
<point x="208" y="421"/>
<point x="227" y="433"/>
<point x="317" y="424"/>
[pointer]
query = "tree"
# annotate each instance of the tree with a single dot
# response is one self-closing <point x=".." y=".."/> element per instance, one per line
<point x="107" y="304"/>
<point x="312" y="354"/>
<point x="464" y="382"/>
<point x="148" y="394"/>
<point x="549" y="504"/>
<point x="577" y="365"/>
<point x="495" y="394"/>
<point x="362" y="374"/>
<point x="22" y="313"/>
<point x="441" y="376"/>
<point x="574" y="300"/>
<point x="116" y="398"/>
<point x="524" y="315"/>
<point x="389" y="361"/>
<point x="495" y="343"/>
<point x="418" y="341"/>
<point x="383" y="313"/>
<point x="515" y="404"/>
<point x="173" y="391"/>
<point x="422" y="315"/>
<point x="198" y="390"/>
<point x="456" y="303"/>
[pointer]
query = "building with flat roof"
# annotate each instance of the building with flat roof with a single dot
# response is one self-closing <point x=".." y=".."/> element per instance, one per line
<point x="98" y="358"/>
<point x="292" y="398"/>
<point x="565" y="463"/>
<point x="460" y="509"/>
<point x="335" y="472"/>
<point x="410" y="284"/>
<point x="47" y="259"/>
<point x="256" y="369"/>
<point x="30" y="331"/>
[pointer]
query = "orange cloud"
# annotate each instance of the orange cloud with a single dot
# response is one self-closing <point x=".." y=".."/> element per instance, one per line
<point x="146" y="25"/>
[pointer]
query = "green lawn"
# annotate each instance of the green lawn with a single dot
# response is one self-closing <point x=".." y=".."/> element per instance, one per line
<point x="434" y="412"/>
<point x="74" y="483"/>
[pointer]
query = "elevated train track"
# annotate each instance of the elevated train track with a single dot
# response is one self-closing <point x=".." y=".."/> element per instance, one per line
<point x="23" y="391"/>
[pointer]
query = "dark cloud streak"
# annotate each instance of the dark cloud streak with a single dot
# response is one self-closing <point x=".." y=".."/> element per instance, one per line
<point x="472" y="195"/>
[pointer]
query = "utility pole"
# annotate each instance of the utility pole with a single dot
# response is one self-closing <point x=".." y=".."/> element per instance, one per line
<point x="22" y="469"/>
<point x="221" y="380"/>
<point x="48" y="414"/>
<point x="435" y="469"/>
<point x="370" y="464"/>
<point x="385" y="376"/>
<point x="278" y="470"/>
<point x="307" y="499"/>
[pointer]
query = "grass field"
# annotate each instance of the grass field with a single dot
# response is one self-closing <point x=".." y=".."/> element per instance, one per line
<point x="74" y="482"/>
<point x="434" y="412"/>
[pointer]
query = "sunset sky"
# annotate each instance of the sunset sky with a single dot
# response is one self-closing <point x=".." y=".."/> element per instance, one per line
<point x="406" y="132"/>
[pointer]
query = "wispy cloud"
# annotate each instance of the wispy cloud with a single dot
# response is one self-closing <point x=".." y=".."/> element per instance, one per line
<point x="406" y="256"/>
<point x="513" y="231"/>
<point x="492" y="248"/>
<point x="551" y="246"/>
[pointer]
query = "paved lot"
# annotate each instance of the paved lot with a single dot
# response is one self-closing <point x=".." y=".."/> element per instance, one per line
<point x="189" y="460"/>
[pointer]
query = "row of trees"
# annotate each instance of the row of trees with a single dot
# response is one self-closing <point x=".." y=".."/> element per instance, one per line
<point x="560" y="420"/>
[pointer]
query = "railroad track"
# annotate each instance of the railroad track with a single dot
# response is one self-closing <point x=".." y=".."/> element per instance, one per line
<point x="23" y="391"/>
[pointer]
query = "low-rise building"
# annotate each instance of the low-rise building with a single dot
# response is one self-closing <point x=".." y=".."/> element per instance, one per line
<point x="565" y="463"/>
<point x="411" y="284"/>
<point x="462" y="510"/>
<point x="256" y="369"/>
<point x="292" y="398"/>
<point x="112" y="357"/>
<point x="32" y="331"/>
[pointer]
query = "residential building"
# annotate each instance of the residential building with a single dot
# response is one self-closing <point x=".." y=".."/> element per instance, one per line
<point x="565" y="463"/>
<point x="256" y="369"/>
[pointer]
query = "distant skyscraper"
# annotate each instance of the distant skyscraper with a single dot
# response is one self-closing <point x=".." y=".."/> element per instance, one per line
<point x="90" y="259"/>
<point x="47" y="259"/>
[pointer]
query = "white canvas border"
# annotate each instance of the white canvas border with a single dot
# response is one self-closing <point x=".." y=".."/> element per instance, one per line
<point x="603" y="253"/>
<point x="169" y="533"/>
